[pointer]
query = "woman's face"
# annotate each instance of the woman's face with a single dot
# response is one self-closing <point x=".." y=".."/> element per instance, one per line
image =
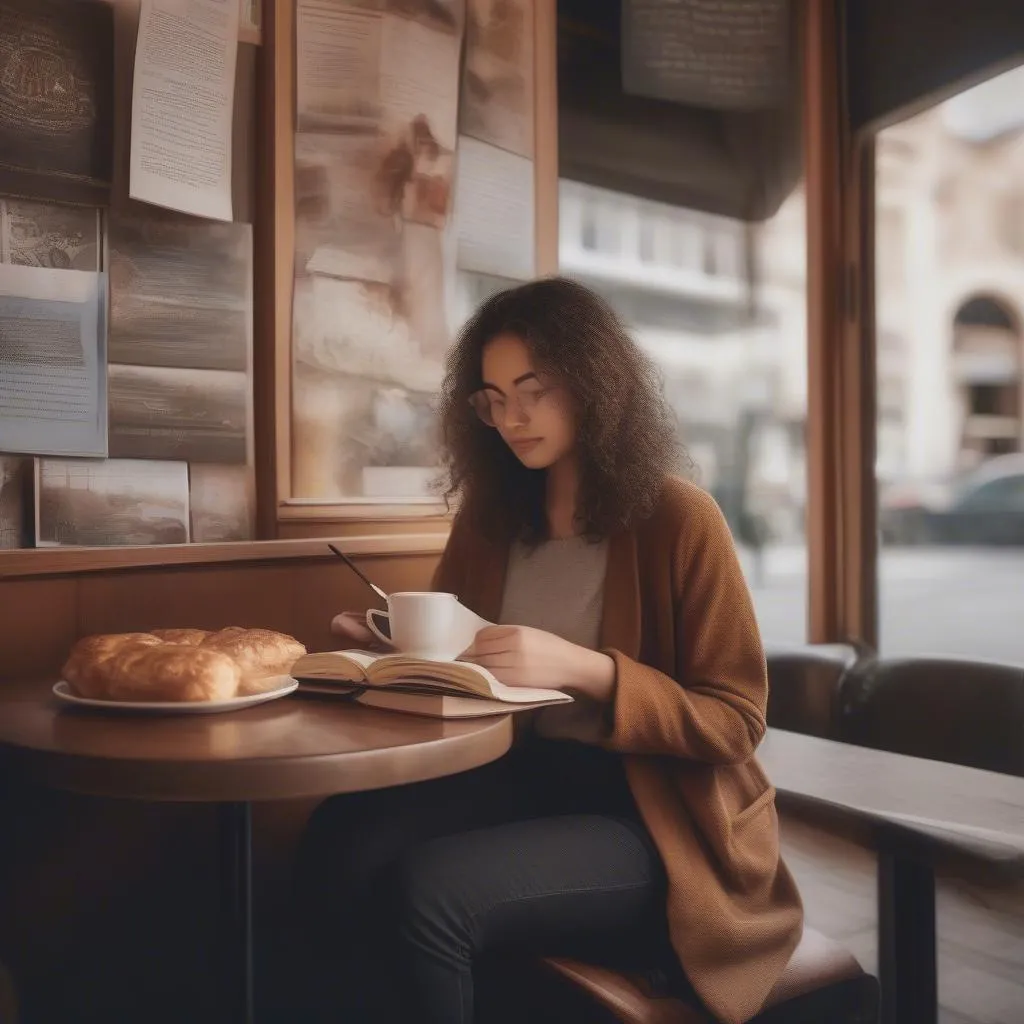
<point x="531" y="411"/>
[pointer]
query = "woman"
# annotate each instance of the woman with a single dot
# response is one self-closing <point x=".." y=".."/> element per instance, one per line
<point x="634" y="824"/>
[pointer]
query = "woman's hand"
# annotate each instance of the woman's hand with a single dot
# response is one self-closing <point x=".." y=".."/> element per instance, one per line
<point x="522" y="656"/>
<point x="352" y="627"/>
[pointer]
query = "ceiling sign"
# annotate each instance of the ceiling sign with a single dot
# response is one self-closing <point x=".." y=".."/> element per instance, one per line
<point x="719" y="54"/>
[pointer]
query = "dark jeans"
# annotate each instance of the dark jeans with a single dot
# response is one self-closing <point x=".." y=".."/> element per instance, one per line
<point x="417" y="888"/>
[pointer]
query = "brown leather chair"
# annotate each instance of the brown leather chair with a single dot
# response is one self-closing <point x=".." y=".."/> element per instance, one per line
<point x="960" y="711"/>
<point x="823" y="984"/>
<point x="804" y="685"/>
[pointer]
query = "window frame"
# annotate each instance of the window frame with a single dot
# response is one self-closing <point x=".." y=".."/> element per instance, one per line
<point x="842" y="515"/>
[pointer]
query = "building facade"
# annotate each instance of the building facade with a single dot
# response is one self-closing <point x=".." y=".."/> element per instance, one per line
<point x="721" y="306"/>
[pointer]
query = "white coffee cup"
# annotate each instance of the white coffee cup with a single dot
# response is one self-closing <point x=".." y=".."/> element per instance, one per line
<point x="426" y="625"/>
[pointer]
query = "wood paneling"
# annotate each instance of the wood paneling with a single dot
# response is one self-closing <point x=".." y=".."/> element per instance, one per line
<point x="42" y="616"/>
<point x="259" y="595"/>
<point x="38" y="623"/>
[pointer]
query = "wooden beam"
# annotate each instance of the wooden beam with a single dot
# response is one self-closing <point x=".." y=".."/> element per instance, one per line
<point x="825" y="262"/>
<point x="857" y="420"/>
<point x="25" y="563"/>
<point x="545" y="135"/>
<point x="274" y="233"/>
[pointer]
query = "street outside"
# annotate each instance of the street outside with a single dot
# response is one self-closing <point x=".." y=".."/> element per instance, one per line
<point x="957" y="602"/>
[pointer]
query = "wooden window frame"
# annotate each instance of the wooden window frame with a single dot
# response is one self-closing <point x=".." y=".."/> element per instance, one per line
<point x="279" y="509"/>
<point x="842" y="519"/>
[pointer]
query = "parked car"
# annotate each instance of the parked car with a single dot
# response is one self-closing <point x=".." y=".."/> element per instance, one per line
<point x="984" y="506"/>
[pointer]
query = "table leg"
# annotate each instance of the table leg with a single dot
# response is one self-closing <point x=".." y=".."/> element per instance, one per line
<point x="235" y="820"/>
<point x="907" y="951"/>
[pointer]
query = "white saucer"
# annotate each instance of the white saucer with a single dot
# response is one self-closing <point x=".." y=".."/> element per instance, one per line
<point x="288" y="685"/>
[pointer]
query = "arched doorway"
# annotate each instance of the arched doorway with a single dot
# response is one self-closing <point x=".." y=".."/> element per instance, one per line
<point x="987" y="367"/>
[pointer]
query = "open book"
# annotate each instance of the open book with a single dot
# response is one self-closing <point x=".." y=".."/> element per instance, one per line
<point x="441" y="689"/>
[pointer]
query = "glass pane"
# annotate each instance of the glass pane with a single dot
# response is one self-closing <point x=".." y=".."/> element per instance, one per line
<point x="733" y="355"/>
<point x="950" y="294"/>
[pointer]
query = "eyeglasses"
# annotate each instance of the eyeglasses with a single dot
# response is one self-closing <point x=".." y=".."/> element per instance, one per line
<point x="492" y="407"/>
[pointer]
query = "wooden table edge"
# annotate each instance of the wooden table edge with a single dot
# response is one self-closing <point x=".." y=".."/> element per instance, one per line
<point x="261" y="779"/>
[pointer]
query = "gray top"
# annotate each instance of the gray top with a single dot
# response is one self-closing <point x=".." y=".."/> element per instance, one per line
<point x="558" y="587"/>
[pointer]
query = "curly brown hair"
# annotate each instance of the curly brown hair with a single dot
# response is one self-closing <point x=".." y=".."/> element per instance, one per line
<point x="626" y="434"/>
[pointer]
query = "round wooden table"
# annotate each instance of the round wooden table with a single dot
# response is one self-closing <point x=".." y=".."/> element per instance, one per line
<point x="285" y="749"/>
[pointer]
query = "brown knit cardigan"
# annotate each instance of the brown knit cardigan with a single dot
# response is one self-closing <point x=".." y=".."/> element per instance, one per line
<point x="689" y="711"/>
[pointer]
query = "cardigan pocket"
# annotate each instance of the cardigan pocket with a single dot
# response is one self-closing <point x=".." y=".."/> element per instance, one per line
<point x="750" y="813"/>
<point x="754" y="841"/>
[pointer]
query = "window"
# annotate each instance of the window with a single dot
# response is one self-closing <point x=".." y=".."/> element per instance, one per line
<point x="647" y="228"/>
<point x="710" y="261"/>
<point x="685" y="245"/>
<point x="600" y="220"/>
<point x="737" y="383"/>
<point x="950" y="466"/>
<point x="588" y="228"/>
<point x="609" y="229"/>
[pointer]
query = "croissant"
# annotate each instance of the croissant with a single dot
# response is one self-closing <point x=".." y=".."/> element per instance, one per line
<point x="179" y="664"/>
<point x="261" y="654"/>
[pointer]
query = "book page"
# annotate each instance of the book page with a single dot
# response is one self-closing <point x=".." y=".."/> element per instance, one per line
<point x="334" y="666"/>
<point x="397" y="669"/>
<point x="182" y="106"/>
<point x="526" y="694"/>
<point x="420" y="676"/>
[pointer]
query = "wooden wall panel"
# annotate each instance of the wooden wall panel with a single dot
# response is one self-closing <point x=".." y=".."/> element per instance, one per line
<point x="41" y="617"/>
<point x="317" y="596"/>
<point x="37" y="618"/>
<point x="208" y="598"/>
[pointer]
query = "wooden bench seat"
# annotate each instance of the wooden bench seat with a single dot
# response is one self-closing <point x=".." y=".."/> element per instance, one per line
<point x="822" y="984"/>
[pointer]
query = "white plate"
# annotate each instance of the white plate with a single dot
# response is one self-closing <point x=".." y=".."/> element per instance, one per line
<point x="288" y="685"/>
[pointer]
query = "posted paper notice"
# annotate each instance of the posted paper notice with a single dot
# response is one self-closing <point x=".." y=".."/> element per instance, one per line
<point x="182" y="102"/>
